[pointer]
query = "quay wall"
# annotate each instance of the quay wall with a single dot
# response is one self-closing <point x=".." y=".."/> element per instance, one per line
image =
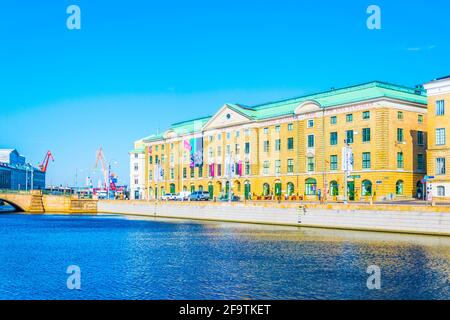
<point x="385" y="218"/>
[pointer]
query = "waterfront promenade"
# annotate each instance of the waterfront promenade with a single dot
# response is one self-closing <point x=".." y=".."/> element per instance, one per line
<point x="376" y="217"/>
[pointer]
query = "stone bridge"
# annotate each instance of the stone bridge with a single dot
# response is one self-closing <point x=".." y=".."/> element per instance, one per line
<point x="37" y="202"/>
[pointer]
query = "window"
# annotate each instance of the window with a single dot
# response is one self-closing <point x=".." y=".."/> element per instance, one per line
<point x="210" y="138"/>
<point x="441" y="191"/>
<point x="210" y="152"/>
<point x="136" y="155"/>
<point x="290" y="165"/>
<point x="247" y="148"/>
<point x="266" y="146"/>
<point x="399" y="187"/>
<point x="440" y="107"/>
<point x="349" y="135"/>
<point x="440" y="166"/>
<point x="156" y="148"/>
<point x="200" y="171"/>
<point x="228" y="135"/>
<point x="400" y="115"/>
<point x="333" y="162"/>
<point x="172" y="158"/>
<point x="333" y="120"/>
<point x="366" y="160"/>
<point x="420" y="118"/>
<point x="219" y="151"/>
<point x="266" y="167"/>
<point x="162" y="148"/>
<point x="311" y="141"/>
<point x="334" y="188"/>
<point x="172" y="173"/>
<point x="150" y="160"/>
<point x="163" y="159"/>
<point x="333" y="138"/>
<point x="400" y="163"/>
<point x="366" y="115"/>
<point x="277" y="144"/>
<point x="184" y="173"/>
<point x="440" y="136"/>
<point x="171" y="146"/>
<point x="310" y="123"/>
<point x="247" y="132"/>
<point x="290" y="143"/>
<point x="290" y="189"/>
<point x="365" y="134"/>
<point x="290" y="127"/>
<point x="136" y="181"/>
<point x="219" y="170"/>
<point x="247" y="168"/>
<point x="277" y="166"/>
<point x="237" y="149"/>
<point x="277" y="128"/>
<point x="228" y="150"/>
<point x="310" y="164"/>
<point x="192" y="172"/>
<point x="349" y="117"/>
<point x="156" y="159"/>
<point x="219" y="136"/>
<point x="400" y="137"/>
<point x="136" y="167"/>
<point x="310" y="186"/>
<point x="420" y="162"/>
<point x="238" y="133"/>
<point x="420" y="140"/>
<point x="266" y="130"/>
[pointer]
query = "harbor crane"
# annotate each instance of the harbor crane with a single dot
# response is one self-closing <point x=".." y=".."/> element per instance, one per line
<point x="108" y="176"/>
<point x="43" y="166"/>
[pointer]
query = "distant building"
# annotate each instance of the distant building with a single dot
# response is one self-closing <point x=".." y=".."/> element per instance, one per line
<point x="137" y="171"/>
<point x="16" y="174"/>
<point x="438" y="153"/>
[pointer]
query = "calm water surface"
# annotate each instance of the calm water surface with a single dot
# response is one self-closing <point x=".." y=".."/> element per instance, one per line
<point x="126" y="258"/>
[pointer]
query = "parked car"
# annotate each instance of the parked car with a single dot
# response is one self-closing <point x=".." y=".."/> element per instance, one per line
<point x="168" y="196"/>
<point x="182" y="196"/>
<point x="199" y="196"/>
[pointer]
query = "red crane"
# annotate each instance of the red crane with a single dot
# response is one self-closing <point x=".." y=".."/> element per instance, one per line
<point x="44" y="164"/>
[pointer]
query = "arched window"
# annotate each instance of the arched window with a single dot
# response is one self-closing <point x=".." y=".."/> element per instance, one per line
<point x="266" y="189"/>
<point x="172" y="188"/>
<point x="310" y="186"/>
<point x="334" y="188"/>
<point x="441" y="191"/>
<point x="200" y="188"/>
<point x="399" y="187"/>
<point x="366" y="188"/>
<point x="290" y="189"/>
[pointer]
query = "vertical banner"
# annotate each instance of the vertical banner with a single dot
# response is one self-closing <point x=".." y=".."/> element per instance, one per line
<point x="196" y="152"/>
<point x="347" y="159"/>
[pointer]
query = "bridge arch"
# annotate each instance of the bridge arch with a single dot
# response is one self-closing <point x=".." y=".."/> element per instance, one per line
<point x="12" y="204"/>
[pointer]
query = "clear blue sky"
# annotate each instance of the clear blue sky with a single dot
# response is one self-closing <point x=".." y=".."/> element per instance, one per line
<point x="139" y="65"/>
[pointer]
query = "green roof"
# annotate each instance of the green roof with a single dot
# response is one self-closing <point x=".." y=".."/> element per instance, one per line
<point x="327" y="99"/>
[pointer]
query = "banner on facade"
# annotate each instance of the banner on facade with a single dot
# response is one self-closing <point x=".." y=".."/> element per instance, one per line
<point x="196" y="152"/>
<point x="347" y="159"/>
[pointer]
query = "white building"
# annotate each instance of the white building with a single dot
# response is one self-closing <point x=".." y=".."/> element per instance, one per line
<point x="137" y="172"/>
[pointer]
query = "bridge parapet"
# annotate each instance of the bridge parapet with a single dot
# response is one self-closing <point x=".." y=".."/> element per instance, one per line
<point x="37" y="202"/>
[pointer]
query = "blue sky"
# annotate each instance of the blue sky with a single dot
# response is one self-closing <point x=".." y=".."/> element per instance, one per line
<point x="138" y="65"/>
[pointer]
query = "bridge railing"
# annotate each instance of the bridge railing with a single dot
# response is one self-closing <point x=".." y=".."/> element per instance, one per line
<point x="8" y="191"/>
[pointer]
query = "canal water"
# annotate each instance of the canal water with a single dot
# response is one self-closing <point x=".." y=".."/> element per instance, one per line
<point x="130" y="258"/>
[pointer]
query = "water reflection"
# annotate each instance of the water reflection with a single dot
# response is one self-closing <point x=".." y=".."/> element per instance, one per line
<point x="147" y="258"/>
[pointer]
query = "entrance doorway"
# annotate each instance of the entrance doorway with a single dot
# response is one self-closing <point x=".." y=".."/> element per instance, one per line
<point x="351" y="190"/>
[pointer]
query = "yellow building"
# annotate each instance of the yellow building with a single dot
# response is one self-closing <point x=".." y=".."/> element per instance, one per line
<point x="438" y="153"/>
<point x="294" y="148"/>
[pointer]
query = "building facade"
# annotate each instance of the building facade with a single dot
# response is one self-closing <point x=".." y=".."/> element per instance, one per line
<point x="137" y="171"/>
<point x="438" y="153"/>
<point x="16" y="174"/>
<point x="295" y="148"/>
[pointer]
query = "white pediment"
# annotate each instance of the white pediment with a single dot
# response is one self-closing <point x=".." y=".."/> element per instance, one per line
<point x="226" y="117"/>
<point x="308" y="107"/>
